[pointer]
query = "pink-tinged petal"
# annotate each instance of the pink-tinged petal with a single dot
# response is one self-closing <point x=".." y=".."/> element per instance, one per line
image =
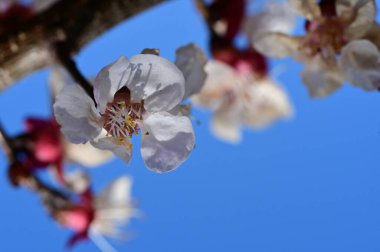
<point x="321" y="80"/>
<point x="120" y="147"/>
<point x="191" y="60"/>
<point x="360" y="62"/>
<point x="109" y="80"/>
<point x="76" y="113"/>
<point x="167" y="141"/>
<point x="155" y="80"/>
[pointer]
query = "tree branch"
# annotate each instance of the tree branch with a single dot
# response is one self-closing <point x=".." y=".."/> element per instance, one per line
<point x="27" y="48"/>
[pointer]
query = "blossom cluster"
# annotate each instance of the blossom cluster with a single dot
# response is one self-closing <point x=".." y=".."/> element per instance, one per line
<point x="149" y="97"/>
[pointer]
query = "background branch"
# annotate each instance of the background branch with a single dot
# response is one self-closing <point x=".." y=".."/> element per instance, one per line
<point x="27" y="48"/>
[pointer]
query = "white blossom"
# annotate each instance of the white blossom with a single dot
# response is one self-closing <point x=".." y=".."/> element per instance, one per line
<point x="240" y="100"/>
<point x="129" y="94"/>
<point x="330" y="50"/>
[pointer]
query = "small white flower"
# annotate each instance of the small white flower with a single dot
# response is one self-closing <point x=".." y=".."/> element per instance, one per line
<point x="240" y="100"/>
<point x="132" y="97"/>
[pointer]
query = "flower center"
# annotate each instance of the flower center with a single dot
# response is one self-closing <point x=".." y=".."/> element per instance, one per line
<point x="325" y="36"/>
<point x="122" y="117"/>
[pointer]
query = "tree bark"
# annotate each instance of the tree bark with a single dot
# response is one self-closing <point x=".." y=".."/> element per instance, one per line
<point x="74" y="22"/>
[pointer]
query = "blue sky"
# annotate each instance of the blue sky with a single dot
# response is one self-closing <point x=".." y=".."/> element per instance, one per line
<point x="307" y="184"/>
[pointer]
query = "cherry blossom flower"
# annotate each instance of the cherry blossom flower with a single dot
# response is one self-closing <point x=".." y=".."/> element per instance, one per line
<point x="132" y="97"/>
<point x="237" y="99"/>
<point x="238" y="89"/>
<point x="332" y="29"/>
<point x="98" y="215"/>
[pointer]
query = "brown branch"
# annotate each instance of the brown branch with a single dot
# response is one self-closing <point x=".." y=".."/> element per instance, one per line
<point x="26" y="49"/>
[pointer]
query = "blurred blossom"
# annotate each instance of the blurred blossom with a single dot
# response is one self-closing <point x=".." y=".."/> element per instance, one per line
<point x="333" y="28"/>
<point x="42" y="146"/>
<point x="238" y="88"/>
<point x="237" y="99"/>
<point x="132" y="97"/>
<point x="99" y="215"/>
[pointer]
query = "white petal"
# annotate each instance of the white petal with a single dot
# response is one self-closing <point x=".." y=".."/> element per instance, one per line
<point x="191" y="60"/>
<point x="155" y="80"/>
<point x="77" y="115"/>
<point x="109" y="80"/>
<point x="86" y="154"/>
<point x="169" y="141"/>
<point x="321" y="80"/>
<point x="307" y="8"/>
<point x="121" y="149"/>
<point x="225" y="125"/>
<point x="277" y="17"/>
<point x="267" y="103"/>
<point x="277" y="45"/>
<point x="360" y="63"/>
<point x="363" y="12"/>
